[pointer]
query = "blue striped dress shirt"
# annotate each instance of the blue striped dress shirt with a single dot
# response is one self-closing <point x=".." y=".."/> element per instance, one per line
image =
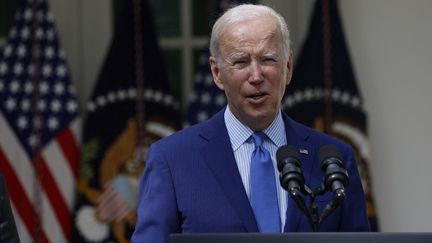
<point x="243" y="146"/>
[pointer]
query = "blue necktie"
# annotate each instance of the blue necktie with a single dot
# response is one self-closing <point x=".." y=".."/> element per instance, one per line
<point x="263" y="187"/>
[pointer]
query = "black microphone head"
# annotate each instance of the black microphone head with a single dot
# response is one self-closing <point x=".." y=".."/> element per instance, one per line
<point x="284" y="152"/>
<point x="288" y="162"/>
<point x="329" y="151"/>
<point x="336" y="177"/>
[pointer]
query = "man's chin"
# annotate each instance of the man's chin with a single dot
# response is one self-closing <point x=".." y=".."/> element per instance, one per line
<point x="260" y="119"/>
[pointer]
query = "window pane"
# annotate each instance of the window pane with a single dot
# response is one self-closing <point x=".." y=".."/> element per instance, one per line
<point x="166" y="19"/>
<point x="166" y="14"/>
<point x="202" y="16"/>
<point x="7" y="12"/>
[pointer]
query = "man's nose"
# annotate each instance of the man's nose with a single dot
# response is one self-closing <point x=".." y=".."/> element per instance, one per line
<point x="256" y="73"/>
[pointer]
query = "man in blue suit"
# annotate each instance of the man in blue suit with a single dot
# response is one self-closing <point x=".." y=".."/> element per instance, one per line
<point x="202" y="179"/>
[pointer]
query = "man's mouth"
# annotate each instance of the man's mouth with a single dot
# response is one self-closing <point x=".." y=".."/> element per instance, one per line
<point x="257" y="96"/>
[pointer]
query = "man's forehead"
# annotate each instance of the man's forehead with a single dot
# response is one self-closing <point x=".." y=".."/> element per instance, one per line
<point x="263" y="23"/>
<point x="260" y="44"/>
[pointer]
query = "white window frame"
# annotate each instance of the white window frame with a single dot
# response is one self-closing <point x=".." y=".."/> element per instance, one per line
<point x="186" y="42"/>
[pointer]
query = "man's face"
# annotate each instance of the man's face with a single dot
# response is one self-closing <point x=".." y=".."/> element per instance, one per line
<point x="252" y="71"/>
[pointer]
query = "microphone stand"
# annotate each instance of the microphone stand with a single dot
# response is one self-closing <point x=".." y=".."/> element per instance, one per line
<point x="338" y="198"/>
<point x="311" y="211"/>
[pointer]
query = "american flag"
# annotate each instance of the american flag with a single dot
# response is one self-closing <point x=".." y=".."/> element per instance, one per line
<point x="38" y="127"/>
<point x="206" y="98"/>
<point x="131" y="106"/>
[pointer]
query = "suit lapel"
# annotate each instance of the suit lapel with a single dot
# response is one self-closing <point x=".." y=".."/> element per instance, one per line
<point x="219" y="157"/>
<point x="297" y="136"/>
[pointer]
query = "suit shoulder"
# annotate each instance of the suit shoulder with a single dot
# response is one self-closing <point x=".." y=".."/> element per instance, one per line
<point x="195" y="134"/>
<point x="185" y="136"/>
<point x="319" y="138"/>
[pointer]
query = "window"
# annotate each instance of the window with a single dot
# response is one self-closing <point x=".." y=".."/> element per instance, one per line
<point x="7" y="11"/>
<point x="183" y="29"/>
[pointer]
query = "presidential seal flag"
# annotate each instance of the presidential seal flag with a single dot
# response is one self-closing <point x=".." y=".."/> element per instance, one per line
<point x="131" y="107"/>
<point x="39" y="127"/>
<point x="323" y="93"/>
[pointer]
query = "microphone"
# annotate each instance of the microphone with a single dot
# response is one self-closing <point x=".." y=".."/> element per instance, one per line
<point x="288" y="163"/>
<point x="291" y="177"/>
<point x="336" y="177"/>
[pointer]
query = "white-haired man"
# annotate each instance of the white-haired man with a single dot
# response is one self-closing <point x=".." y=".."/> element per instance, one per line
<point x="212" y="177"/>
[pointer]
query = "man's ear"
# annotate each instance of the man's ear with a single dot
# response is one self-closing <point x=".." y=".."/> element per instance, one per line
<point x="289" y="68"/>
<point x="216" y="72"/>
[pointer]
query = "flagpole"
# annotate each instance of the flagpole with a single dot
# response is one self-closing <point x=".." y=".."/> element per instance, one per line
<point x="327" y="64"/>
<point x="139" y="79"/>
<point x="36" y="125"/>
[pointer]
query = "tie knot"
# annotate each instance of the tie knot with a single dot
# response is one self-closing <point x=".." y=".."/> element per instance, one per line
<point x="258" y="138"/>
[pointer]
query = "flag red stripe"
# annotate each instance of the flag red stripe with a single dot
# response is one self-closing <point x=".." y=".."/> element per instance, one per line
<point x="58" y="203"/>
<point x="18" y="197"/>
<point x="70" y="149"/>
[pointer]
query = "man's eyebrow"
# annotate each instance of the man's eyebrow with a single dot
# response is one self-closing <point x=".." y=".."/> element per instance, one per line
<point x="236" y="55"/>
<point x="271" y="54"/>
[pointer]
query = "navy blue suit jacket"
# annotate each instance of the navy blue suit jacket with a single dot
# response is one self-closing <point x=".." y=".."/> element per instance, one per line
<point x="192" y="184"/>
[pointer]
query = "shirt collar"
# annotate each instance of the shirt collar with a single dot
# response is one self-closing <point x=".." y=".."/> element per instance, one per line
<point x="239" y="133"/>
<point x="276" y="131"/>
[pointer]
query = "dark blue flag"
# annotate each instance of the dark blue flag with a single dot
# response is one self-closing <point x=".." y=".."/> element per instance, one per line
<point x="323" y="93"/>
<point x="131" y="107"/>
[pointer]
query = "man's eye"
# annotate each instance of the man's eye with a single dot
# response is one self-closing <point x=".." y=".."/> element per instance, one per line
<point x="269" y="59"/>
<point x="240" y="63"/>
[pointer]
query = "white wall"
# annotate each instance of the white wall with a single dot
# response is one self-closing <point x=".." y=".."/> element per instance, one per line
<point x="85" y="33"/>
<point x="390" y="44"/>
